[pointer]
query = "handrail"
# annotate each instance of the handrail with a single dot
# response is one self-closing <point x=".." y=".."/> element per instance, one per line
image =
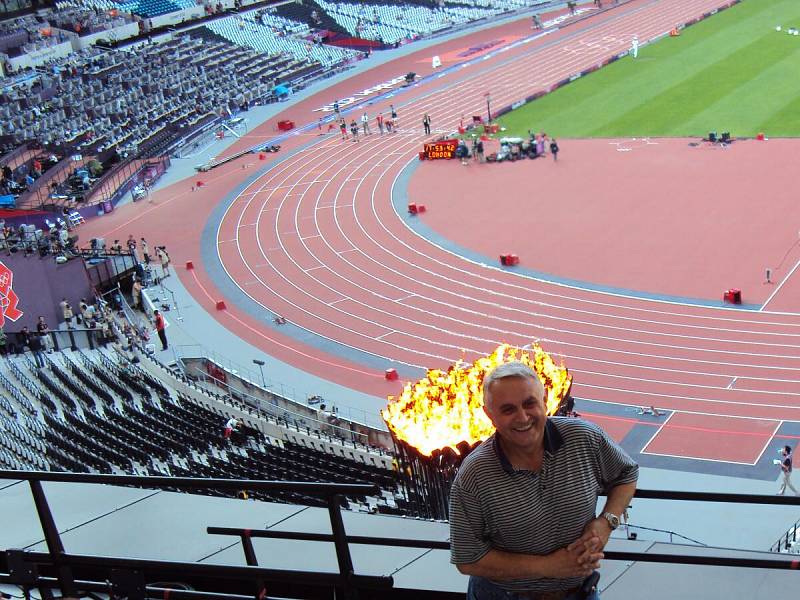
<point x="629" y="526"/>
<point x="221" y="571"/>
<point x="722" y="561"/>
<point x="311" y="488"/>
<point x="346" y="580"/>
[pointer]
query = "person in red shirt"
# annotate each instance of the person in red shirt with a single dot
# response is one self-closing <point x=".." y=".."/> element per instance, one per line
<point x="161" y="329"/>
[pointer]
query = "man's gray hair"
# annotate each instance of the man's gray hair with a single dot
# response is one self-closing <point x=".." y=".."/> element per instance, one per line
<point x="514" y="368"/>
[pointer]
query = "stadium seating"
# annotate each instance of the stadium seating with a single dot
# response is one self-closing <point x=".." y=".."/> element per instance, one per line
<point x="126" y="98"/>
<point x="94" y="412"/>
<point x="392" y="23"/>
<point x="246" y="30"/>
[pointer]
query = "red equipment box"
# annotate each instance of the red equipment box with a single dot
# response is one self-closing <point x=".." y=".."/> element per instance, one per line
<point x="733" y="296"/>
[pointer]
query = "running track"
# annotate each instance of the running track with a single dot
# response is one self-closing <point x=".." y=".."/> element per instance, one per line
<point x="317" y="239"/>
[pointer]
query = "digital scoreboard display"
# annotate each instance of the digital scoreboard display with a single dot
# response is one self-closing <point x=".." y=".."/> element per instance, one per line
<point x="442" y="149"/>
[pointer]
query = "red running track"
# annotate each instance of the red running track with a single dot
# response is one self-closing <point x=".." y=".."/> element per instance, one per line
<point x="316" y="239"/>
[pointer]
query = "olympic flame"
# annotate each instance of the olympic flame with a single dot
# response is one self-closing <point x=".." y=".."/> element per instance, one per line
<point x="445" y="408"/>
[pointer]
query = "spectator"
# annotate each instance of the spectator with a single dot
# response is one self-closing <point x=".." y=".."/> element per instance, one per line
<point x="86" y="313"/>
<point x="35" y="344"/>
<point x="231" y="425"/>
<point x="131" y="243"/>
<point x="66" y="311"/>
<point x="44" y="333"/>
<point x="161" y="327"/>
<point x="164" y="258"/>
<point x="145" y="252"/>
<point x="23" y="340"/>
<point x="511" y="552"/>
<point x="136" y="293"/>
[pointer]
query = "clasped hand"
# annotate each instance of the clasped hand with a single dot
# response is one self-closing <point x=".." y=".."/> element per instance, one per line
<point x="583" y="555"/>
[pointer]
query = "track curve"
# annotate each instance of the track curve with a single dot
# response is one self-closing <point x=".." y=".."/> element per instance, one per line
<point x="317" y="239"/>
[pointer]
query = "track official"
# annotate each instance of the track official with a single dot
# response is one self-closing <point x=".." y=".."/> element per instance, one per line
<point x="522" y="507"/>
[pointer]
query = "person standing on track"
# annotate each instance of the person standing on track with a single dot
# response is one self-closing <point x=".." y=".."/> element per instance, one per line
<point x="379" y="121"/>
<point x="426" y="123"/>
<point x="365" y="123"/>
<point x="554" y="149"/>
<point x="343" y="129"/>
<point x="354" y="130"/>
<point x="394" y="116"/>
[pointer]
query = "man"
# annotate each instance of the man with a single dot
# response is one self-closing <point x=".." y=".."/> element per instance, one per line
<point x="66" y="312"/>
<point x="136" y="293"/>
<point x="145" y="252"/>
<point x="44" y="333"/>
<point x="554" y="149"/>
<point x="161" y="326"/>
<point x="379" y="120"/>
<point x="230" y="426"/>
<point x="522" y="507"/>
<point x="23" y="340"/>
<point x="786" y="469"/>
<point x="635" y="46"/>
<point x="365" y="123"/>
<point x="35" y="344"/>
<point x="164" y="258"/>
<point x="131" y="243"/>
<point x="426" y="123"/>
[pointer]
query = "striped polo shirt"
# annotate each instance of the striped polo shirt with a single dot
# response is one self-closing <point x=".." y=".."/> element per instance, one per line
<point x="494" y="506"/>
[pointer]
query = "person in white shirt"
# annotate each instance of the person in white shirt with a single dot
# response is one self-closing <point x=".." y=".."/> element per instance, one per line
<point x="365" y="123"/>
<point x="230" y="426"/>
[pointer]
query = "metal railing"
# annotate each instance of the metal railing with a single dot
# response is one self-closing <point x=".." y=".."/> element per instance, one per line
<point x="788" y="542"/>
<point x="23" y="566"/>
<point x="188" y="352"/>
<point x="60" y="339"/>
<point x="267" y="405"/>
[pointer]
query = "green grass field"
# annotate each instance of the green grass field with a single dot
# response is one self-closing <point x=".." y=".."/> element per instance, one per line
<point x="731" y="72"/>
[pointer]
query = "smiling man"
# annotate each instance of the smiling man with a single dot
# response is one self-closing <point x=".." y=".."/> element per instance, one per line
<point x="522" y="507"/>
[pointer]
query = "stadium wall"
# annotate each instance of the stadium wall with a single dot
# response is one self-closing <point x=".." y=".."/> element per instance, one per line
<point x="40" y="284"/>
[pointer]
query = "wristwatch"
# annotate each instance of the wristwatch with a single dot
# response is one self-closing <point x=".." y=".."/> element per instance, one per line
<point x="613" y="520"/>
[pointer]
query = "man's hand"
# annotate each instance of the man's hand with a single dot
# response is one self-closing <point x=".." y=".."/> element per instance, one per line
<point x="578" y="559"/>
<point x="598" y="528"/>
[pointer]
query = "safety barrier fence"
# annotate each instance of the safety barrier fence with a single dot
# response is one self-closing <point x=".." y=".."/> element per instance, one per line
<point x="126" y="577"/>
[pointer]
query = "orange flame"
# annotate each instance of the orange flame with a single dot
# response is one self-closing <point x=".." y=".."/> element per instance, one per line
<point x="446" y="407"/>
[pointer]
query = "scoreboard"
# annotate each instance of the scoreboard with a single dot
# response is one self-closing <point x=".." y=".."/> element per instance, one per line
<point x="442" y="149"/>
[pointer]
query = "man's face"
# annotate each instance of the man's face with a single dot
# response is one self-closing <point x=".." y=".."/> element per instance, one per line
<point x="516" y="408"/>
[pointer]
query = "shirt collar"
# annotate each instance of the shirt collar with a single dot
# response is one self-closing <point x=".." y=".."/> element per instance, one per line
<point x="552" y="443"/>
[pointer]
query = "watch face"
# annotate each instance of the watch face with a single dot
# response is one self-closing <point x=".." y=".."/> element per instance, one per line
<point x="612" y="519"/>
